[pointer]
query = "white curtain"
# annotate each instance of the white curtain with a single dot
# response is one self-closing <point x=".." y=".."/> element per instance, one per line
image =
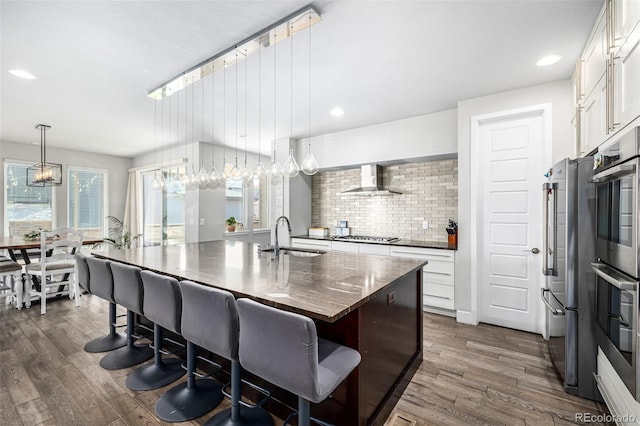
<point x="133" y="207"/>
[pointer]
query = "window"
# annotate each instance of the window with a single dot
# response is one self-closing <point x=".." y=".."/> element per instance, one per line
<point x="235" y="200"/>
<point x="27" y="208"/>
<point x="260" y="203"/>
<point x="163" y="209"/>
<point x="257" y="211"/>
<point x="87" y="201"/>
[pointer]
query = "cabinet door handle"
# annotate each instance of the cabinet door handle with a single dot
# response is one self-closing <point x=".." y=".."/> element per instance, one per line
<point x="437" y="273"/>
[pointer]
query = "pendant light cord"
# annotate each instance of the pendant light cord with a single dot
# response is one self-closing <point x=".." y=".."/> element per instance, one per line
<point x="224" y="118"/>
<point x="246" y="106"/>
<point x="260" y="104"/>
<point x="275" y="57"/>
<point x="236" y="67"/>
<point x="309" y="56"/>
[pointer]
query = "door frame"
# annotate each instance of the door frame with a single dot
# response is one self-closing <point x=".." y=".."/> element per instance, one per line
<point x="476" y="189"/>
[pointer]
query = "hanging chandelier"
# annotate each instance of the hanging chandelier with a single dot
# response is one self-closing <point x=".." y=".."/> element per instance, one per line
<point x="43" y="173"/>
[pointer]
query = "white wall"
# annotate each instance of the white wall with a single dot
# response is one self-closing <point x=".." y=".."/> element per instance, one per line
<point x="117" y="166"/>
<point x="559" y="94"/>
<point x="415" y="138"/>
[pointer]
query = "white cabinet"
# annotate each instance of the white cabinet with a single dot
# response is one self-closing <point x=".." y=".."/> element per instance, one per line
<point x="438" y="276"/>
<point x="615" y="394"/>
<point x="626" y="16"/>
<point x="607" y="80"/>
<point x="595" y="55"/>
<point x="626" y="78"/>
<point x="311" y="244"/>
<point x="593" y="118"/>
<point x="343" y="246"/>
<point x="380" y="249"/>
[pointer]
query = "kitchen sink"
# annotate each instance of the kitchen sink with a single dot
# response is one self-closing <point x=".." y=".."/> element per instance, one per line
<point x="298" y="252"/>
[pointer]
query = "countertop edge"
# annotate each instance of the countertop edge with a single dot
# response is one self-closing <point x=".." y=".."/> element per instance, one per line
<point x="401" y="243"/>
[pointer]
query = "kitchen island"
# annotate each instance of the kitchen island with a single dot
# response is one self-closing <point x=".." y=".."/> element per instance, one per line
<point x="370" y="303"/>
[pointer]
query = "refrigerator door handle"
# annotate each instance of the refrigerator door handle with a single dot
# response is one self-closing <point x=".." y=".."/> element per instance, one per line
<point x="549" y="193"/>
<point x="555" y="312"/>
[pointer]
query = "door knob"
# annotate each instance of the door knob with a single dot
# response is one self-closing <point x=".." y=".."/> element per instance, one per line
<point x="533" y="250"/>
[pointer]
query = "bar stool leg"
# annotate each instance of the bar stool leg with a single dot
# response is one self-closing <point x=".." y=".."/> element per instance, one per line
<point x="131" y="354"/>
<point x="304" y="412"/>
<point x="191" y="399"/>
<point x="158" y="374"/>
<point x="237" y="415"/>
<point x="112" y="340"/>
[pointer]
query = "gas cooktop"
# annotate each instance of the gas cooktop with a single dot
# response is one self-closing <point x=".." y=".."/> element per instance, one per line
<point x="366" y="239"/>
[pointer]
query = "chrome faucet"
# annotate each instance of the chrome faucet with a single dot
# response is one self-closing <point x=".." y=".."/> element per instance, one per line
<point x="276" y="247"/>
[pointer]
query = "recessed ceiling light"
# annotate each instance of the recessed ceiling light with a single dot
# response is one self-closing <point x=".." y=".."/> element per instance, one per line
<point x="22" y="74"/>
<point x="548" y="60"/>
<point x="337" y="112"/>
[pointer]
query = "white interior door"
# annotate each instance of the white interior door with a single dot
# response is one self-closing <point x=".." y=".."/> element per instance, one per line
<point x="510" y="222"/>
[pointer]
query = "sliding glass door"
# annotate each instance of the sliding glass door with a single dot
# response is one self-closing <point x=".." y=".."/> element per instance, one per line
<point x="163" y="209"/>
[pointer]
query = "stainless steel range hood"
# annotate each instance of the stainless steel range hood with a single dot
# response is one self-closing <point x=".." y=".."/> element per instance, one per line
<point x="371" y="182"/>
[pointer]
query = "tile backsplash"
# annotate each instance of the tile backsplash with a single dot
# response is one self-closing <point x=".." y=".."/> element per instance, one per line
<point x="429" y="193"/>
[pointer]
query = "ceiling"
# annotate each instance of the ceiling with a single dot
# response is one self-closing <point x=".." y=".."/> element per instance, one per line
<point x="379" y="61"/>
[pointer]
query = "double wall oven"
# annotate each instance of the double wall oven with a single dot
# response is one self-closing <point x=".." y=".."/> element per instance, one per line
<point x="617" y="268"/>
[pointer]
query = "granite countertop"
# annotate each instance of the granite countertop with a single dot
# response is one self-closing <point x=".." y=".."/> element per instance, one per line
<point x="403" y="243"/>
<point x="324" y="287"/>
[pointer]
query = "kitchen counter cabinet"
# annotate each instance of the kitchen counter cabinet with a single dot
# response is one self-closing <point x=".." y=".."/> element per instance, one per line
<point x="438" y="279"/>
<point x="438" y="274"/>
<point x="370" y="303"/>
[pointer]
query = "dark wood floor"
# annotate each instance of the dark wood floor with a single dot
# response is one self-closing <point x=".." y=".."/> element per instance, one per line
<point x="470" y="375"/>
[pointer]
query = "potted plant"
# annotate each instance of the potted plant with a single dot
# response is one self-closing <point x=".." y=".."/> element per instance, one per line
<point x="119" y="238"/>
<point x="231" y="224"/>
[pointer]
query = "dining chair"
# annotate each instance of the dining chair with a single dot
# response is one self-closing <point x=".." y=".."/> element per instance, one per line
<point x="57" y="249"/>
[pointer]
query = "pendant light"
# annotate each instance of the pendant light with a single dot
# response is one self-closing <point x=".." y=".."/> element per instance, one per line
<point x="229" y="168"/>
<point x="291" y="167"/>
<point x="310" y="165"/>
<point x="163" y="183"/>
<point x="193" y="177"/>
<point x="214" y="176"/>
<point x="155" y="183"/>
<point x="184" y="178"/>
<point x="234" y="173"/>
<point x="275" y="170"/>
<point x="43" y="173"/>
<point x="245" y="172"/>
<point x="259" y="171"/>
<point x="203" y="175"/>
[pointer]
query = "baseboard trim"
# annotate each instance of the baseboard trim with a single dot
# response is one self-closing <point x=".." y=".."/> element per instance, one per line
<point x="466" y="317"/>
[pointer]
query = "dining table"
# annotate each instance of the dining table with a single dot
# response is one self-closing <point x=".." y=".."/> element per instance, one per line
<point x="25" y="248"/>
<point x="21" y="249"/>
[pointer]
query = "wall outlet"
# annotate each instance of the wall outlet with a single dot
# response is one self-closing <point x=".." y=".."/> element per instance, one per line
<point x="202" y="221"/>
<point x="425" y="224"/>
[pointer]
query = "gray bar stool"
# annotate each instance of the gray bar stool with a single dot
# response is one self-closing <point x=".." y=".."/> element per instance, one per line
<point x="210" y="320"/>
<point x="128" y="292"/>
<point x="99" y="282"/>
<point x="284" y="349"/>
<point x="193" y="398"/>
<point x="162" y="305"/>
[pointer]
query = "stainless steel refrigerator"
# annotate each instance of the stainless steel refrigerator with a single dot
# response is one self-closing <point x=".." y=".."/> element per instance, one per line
<point x="569" y="292"/>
